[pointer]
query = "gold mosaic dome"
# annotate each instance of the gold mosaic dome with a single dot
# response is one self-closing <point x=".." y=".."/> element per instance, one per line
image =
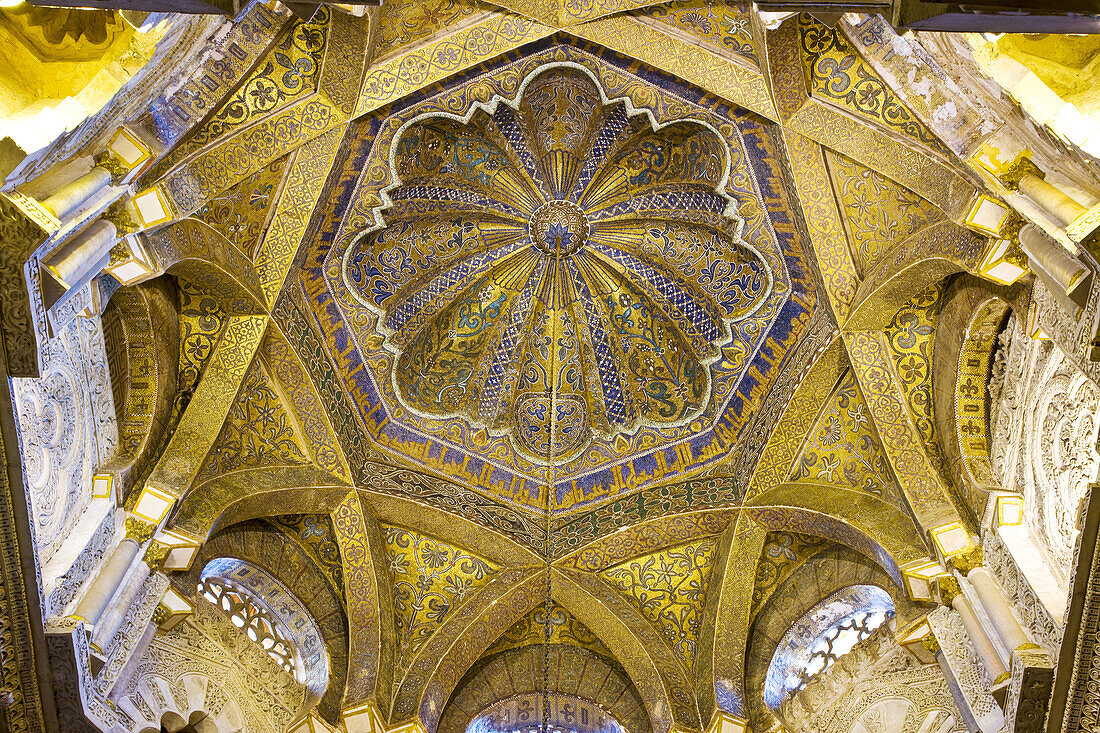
<point x="558" y="266"/>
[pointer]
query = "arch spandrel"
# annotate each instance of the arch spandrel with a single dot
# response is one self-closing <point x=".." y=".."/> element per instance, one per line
<point x="924" y="258"/>
<point x="852" y="518"/>
<point x="663" y="684"/>
<point x="460" y="640"/>
<point x="256" y="492"/>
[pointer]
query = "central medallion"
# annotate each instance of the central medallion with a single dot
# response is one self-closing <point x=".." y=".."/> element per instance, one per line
<point x="558" y="228"/>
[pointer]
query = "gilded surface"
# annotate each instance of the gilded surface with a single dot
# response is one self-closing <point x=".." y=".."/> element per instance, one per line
<point x="290" y="216"/>
<point x="430" y="579"/>
<point x="603" y="468"/>
<point x="393" y="79"/>
<point x="826" y="229"/>
<point x="777" y="459"/>
<point x="258" y="431"/>
<point x="669" y="587"/>
<point x="581" y="277"/>
<point x="273" y="135"/>
<point x="724" y="687"/>
<point x="696" y="61"/>
<point x="564" y="629"/>
<point x="314" y="423"/>
<point x="289" y="71"/>
<point x="725" y="25"/>
<point x="574" y="303"/>
<point x="971" y="392"/>
<point x="842" y="448"/>
<point x="369" y="602"/>
<point x="919" y="479"/>
<point x="242" y="213"/>
<point x="405" y="22"/>
<point x="201" y="422"/>
<point x="878" y="213"/>
<point x="315" y="533"/>
<point x="911" y="336"/>
<point x="782" y="554"/>
<point x="837" y="73"/>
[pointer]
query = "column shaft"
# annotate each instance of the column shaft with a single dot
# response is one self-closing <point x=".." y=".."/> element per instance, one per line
<point x="111" y="620"/>
<point x="69" y="197"/>
<point x="997" y="608"/>
<point x="1052" y="258"/>
<point x="1052" y="200"/>
<point x="994" y="667"/>
<point x="84" y="253"/>
<point x="103" y="588"/>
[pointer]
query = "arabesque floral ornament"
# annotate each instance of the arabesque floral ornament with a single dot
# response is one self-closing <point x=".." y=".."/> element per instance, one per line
<point x="558" y="266"/>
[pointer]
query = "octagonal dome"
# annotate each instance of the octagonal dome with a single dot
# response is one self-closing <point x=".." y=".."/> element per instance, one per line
<point x="557" y="267"/>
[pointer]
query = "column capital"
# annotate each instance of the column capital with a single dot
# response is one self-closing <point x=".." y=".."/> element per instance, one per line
<point x="947" y="587"/>
<point x="1012" y="173"/>
<point x="112" y="163"/>
<point x="139" y="530"/>
<point x="964" y="562"/>
<point x="155" y="554"/>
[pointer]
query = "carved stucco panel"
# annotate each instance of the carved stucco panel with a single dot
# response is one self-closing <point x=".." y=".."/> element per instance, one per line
<point x="1061" y="445"/>
<point x="67" y="427"/>
<point x="242" y="688"/>
<point x="878" y="687"/>
<point x="1043" y="417"/>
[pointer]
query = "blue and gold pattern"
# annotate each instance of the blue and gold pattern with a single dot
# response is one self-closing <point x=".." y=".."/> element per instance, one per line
<point x="608" y="466"/>
<point x="558" y="269"/>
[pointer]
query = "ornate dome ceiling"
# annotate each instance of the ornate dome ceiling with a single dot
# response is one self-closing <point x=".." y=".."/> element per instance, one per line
<point x="527" y="355"/>
<point x="558" y="267"/>
<point x="561" y="271"/>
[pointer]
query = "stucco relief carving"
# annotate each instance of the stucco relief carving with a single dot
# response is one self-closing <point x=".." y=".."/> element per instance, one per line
<point x="966" y="667"/>
<point x="1044" y="430"/>
<point x="878" y="687"/>
<point x="1063" y="457"/>
<point x="1045" y="629"/>
<point x="206" y="664"/>
<point x="66" y="428"/>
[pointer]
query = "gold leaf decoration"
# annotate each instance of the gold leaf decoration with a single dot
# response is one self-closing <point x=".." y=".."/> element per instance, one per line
<point x="669" y="587"/>
<point x="430" y="580"/>
<point x="259" y="430"/>
<point x="842" y="449"/>
<point x="564" y="629"/>
<point x="878" y="212"/>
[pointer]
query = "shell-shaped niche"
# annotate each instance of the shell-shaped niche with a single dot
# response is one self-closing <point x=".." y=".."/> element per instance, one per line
<point x="557" y="268"/>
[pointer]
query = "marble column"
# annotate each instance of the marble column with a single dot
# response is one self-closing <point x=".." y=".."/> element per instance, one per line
<point x="1052" y="259"/>
<point x="71" y="196"/>
<point x="126" y="593"/>
<point x="994" y="667"/>
<point x="85" y="254"/>
<point x="103" y="588"/>
<point x="106" y="584"/>
<point x="950" y="592"/>
<point x="997" y="608"/>
<point x="1051" y="199"/>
